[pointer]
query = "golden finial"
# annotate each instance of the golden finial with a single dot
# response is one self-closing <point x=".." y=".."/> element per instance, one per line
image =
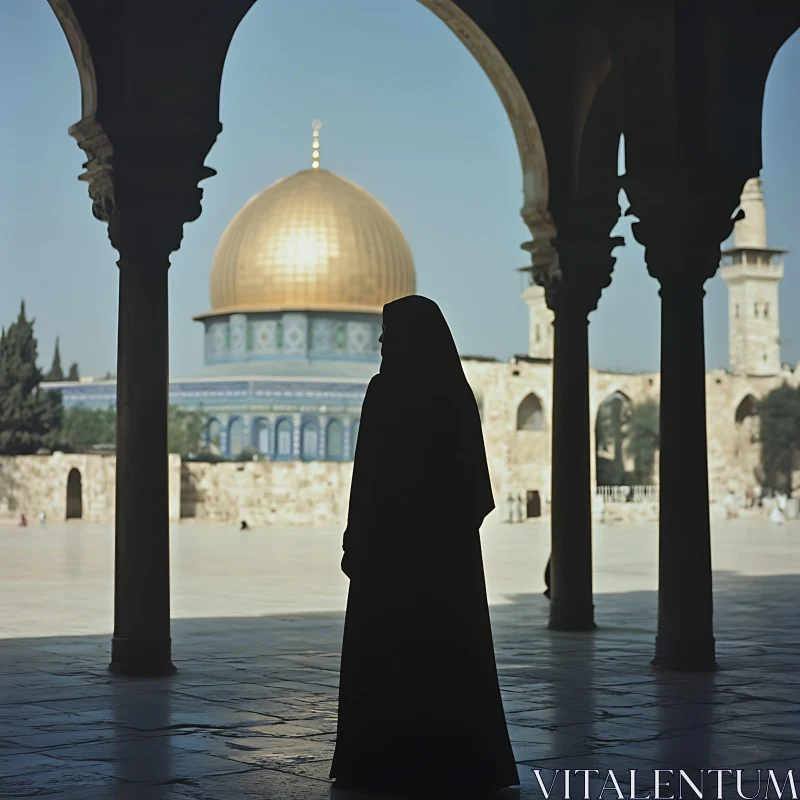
<point x="316" y="125"/>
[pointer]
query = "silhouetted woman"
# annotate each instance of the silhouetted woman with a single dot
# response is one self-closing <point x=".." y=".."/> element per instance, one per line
<point x="419" y="701"/>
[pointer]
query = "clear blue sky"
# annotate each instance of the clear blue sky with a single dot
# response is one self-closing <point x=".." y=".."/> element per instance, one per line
<point x="407" y="114"/>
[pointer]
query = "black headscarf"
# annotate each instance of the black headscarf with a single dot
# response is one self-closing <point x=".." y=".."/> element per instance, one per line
<point x="420" y="424"/>
<point x="419" y="354"/>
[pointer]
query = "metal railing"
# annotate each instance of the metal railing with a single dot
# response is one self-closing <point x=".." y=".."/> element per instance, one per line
<point x="628" y="494"/>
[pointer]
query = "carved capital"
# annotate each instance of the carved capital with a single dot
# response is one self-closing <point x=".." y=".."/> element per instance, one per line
<point x="144" y="186"/>
<point x="573" y="272"/>
<point x="683" y="220"/>
<point x="571" y="249"/>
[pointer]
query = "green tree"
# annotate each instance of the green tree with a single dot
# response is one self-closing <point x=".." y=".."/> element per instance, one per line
<point x="779" y="432"/>
<point x="185" y="429"/>
<point x="55" y="373"/>
<point x="29" y="416"/>
<point x="643" y="440"/>
<point x="84" y="427"/>
<point x="73" y="372"/>
<point x="87" y="427"/>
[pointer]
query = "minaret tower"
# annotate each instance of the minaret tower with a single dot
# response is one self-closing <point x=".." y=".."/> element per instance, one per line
<point x="752" y="271"/>
<point x="540" y="318"/>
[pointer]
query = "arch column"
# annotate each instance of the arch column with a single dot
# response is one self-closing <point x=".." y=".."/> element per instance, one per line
<point x="144" y="185"/>
<point x="573" y="286"/>
<point x="682" y="224"/>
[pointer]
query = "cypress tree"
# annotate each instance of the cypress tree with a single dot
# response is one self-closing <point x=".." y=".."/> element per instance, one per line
<point x="56" y="373"/>
<point x="73" y="372"/>
<point x="30" y="418"/>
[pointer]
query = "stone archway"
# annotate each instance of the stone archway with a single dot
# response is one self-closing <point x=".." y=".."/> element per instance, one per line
<point x="611" y="423"/>
<point x="746" y="444"/>
<point x="74" y="494"/>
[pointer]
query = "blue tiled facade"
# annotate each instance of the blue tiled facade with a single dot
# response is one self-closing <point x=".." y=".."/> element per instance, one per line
<point x="283" y="419"/>
<point x="289" y="335"/>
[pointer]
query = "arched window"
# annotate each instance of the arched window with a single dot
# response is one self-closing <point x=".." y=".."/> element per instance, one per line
<point x="260" y="435"/>
<point x="283" y="439"/>
<point x="235" y="436"/>
<point x="530" y="416"/>
<point x="766" y="309"/>
<point x="310" y="439"/>
<point x="755" y="309"/>
<point x="747" y="408"/>
<point x="213" y="435"/>
<point x="334" y="441"/>
<point x="538" y="334"/>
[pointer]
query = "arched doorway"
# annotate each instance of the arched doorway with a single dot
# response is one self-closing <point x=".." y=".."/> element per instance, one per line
<point x="530" y="414"/>
<point x="74" y="495"/>
<point x="611" y="434"/>
<point x="747" y="441"/>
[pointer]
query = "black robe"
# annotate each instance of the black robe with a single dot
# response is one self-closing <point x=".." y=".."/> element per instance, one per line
<point x="419" y="701"/>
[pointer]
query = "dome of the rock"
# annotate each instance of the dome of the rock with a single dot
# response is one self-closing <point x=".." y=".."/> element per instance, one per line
<point x="313" y="241"/>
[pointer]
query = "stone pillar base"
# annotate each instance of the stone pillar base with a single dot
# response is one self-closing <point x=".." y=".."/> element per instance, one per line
<point x="146" y="658"/>
<point x="685" y="655"/>
<point x="571" y="616"/>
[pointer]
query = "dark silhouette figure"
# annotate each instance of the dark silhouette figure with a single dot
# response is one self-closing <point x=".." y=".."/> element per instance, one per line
<point x="547" y="580"/>
<point x="244" y="526"/>
<point x="419" y="701"/>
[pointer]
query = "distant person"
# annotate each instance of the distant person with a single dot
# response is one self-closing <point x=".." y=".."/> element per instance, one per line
<point x="42" y="518"/>
<point x="521" y="509"/>
<point x="419" y="702"/>
<point x="244" y="526"/>
<point x="509" y="515"/>
<point x="23" y="522"/>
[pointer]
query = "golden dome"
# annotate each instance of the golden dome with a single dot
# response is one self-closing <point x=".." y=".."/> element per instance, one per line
<point x="312" y="241"/>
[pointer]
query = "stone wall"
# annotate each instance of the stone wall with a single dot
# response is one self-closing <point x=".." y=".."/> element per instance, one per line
<point x="31" y="484"/>
<point x="266" y="493"/>
<point x="306" y="493"/>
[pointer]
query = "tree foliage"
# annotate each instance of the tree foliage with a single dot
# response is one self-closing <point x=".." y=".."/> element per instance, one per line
<point x="88" y="427"/>
<point x="643" y="440"/>
<point x="185" y="429"/>
<point x="73" y="372"/>
<point x="84" y="427"/>
<point x="29" y="416"/>
<point x="780" y="436"/>
<point x="55" y="373"/>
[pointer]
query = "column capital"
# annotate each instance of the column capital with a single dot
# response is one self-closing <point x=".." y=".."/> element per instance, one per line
<point x="683" y="220"/>
<point x="574" y="271"/>
<point x="143" y="180"/>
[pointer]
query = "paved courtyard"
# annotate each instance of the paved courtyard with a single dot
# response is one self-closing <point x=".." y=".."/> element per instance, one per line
<point x="257" y="628"/>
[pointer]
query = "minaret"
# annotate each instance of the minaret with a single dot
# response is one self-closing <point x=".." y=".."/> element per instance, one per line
<point x="540" y="318"/>
<point x="752" y="271"/>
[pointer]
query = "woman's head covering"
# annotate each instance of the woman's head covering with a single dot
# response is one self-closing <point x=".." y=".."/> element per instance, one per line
<point x="421" y="373"/>
<point x="418" y="347"/>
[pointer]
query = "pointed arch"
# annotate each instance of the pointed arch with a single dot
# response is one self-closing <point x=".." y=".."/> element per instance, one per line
<point x="530" y="414"/>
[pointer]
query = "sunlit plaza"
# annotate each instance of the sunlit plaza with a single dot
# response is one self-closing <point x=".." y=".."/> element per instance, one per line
<point x="257" y="626"/>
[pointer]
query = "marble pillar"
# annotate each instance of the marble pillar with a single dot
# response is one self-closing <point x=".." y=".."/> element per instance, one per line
<point x="572" y="290"/>
<point x="683" y="221"/>
<point x="143" y="183"/>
